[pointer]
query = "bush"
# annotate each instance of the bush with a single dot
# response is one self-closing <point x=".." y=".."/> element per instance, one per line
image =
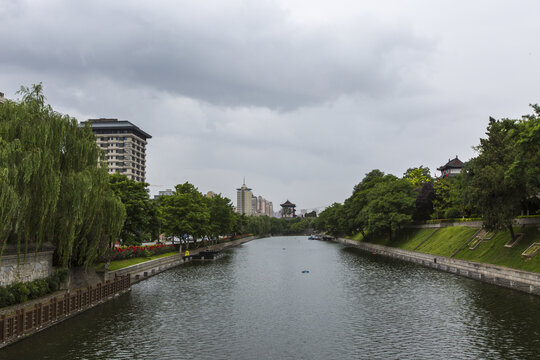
<point x="452" y="213"/>
<point x="6" y="297"/>
<point x="54" y="283"/>
<point x="20" y="291"/>
<point x="63" y="274"/>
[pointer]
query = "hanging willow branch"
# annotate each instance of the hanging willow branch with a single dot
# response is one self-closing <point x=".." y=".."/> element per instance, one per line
<point x="51" y="188"/>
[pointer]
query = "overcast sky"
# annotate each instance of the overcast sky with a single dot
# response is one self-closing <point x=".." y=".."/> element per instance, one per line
<point x="302" y="97"/>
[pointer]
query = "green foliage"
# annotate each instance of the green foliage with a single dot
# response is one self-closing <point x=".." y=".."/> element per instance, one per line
<point x="142" y="223"/>
<point x="258" y="225"/>
<point x="331" y="219"/>
<point x="184" y="212"/>
<point x="491" y="181"/>
<point x="20" y="292"/>
<point x="353" y="216"/>
<point x="441" y="199"/>
<point x="390" y="206"/>
<point x="418" y="176"/>
<point x="51" y="188"/>
<point x="222" y="217"/>
<point x="452" y="213"/>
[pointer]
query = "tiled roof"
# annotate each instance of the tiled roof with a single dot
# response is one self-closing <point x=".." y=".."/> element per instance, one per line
<point x="287" y="203"/>
<point x="452" y="164"/>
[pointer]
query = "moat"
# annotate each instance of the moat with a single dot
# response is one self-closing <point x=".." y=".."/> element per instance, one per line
<point x="257" y="302"/>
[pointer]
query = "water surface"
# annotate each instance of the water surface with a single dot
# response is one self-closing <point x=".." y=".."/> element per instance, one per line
<point x="256" y="303"/>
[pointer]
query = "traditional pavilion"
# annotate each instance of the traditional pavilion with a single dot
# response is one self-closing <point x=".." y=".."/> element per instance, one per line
<point x="288" y="210"/>
<point x="452" y="168"/>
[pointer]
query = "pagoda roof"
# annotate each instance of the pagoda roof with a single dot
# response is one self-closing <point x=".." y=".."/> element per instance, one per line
<point x="452" y="164"/>
<point x="288" y="204"/>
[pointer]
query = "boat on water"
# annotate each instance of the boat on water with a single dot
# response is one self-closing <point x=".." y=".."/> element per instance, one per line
<point x="314" y="237"/>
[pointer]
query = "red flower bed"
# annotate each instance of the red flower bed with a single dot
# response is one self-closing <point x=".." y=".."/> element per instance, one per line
<point x="129" y="252"/>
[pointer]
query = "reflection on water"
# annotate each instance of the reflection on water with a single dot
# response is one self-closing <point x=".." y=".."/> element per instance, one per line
<point x="255" y="303"/>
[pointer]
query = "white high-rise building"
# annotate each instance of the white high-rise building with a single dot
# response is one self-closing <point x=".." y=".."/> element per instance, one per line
<point x="123" y="145"/>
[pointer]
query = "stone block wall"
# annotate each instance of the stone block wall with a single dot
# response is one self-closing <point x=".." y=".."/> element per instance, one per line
<point x="14" y="268"/>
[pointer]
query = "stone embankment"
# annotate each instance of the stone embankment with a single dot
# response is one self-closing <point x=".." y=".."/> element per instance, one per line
<point x="525" y="281"/>
<point x="20" y="321"/>
<point x="146" y="269"/>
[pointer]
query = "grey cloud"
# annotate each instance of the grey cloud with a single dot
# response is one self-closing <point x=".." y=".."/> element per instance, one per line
<point x="248" y="55"/>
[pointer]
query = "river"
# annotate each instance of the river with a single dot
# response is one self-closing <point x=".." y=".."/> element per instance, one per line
<point x="257" y="302"/>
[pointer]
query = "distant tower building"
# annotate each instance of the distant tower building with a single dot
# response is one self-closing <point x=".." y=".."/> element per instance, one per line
<point x="243" y="200"/>
<point x="2" y="98"/>
<point x="124" y="146"/>
<point x="261" y="203"/>
<point x="210" y="194"/>
<point x="269" y="209"/>
<point x="288" y="210"/>
<point x="254" y="205"/>
<point x="167" y="192"/>
<point x="452" y="168"/>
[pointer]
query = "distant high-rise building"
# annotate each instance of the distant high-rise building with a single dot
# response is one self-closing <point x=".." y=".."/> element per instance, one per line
<point x="269" y="209"/>
<point x="2" y="98"/>
<point x="167" y="192"/>
<point x="243" y="200"/>
<point x="254" y="205"/>
<point x="124" y="146"/>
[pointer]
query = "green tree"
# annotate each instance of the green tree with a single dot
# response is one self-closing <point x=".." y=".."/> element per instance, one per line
<point x="222" y="217"/>
<point x="390" y="205"/>
<point x="418" y="176"/>
<point x="354" y="217"/>
<point x="184" y="213"/>
<point x="441" y="196"/>
<point x="331" y="219"/>
<point x="528" y="156"/>
<point x="494" y="185"/>
<point x="141" y="213"/>
<point x="50" y="177"/>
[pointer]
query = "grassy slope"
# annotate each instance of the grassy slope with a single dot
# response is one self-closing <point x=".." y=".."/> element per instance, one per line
<point x="120" y="264"/>
<point x="494" y="252"/>
<point x="447" y="240"/>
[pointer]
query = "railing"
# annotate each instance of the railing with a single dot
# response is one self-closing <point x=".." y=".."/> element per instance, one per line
<point x="26" y="320"/>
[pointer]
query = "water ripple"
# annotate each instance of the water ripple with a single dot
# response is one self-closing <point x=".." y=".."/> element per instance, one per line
<point x="255" y="303"/>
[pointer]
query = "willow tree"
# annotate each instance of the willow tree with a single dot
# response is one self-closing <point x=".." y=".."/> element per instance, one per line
<point x="51" y="181"/>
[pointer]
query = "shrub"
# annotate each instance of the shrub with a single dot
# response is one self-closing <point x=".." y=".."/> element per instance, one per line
<point x="63" y="274"/>
<point x="54" y="283"/>
<point x="6" y="297"/>
<point x="20" y="291"/>
<point x="452" y="213"/>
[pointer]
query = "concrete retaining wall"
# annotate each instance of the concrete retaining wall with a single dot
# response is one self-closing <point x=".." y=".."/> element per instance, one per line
<point x="143" y="270"/>
<point x="15" y="268"/>
<point x="498" y="275"/>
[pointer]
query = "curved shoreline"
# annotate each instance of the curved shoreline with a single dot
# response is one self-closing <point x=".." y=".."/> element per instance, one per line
<point x="524" y="281"/>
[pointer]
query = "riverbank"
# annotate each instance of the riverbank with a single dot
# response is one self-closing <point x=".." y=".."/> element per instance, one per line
<point x="20" y="321"/>
<point x="459" y="242"/>
<point x="457" y="250"/>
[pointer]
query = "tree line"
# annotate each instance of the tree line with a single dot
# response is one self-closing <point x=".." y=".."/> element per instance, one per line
<point x="496" y="186"/>
<point x="51" y="187"/>
<point x="55" y="189"/>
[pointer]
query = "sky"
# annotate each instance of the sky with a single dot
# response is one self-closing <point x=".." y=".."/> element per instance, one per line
<point x="302" y="98"/>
